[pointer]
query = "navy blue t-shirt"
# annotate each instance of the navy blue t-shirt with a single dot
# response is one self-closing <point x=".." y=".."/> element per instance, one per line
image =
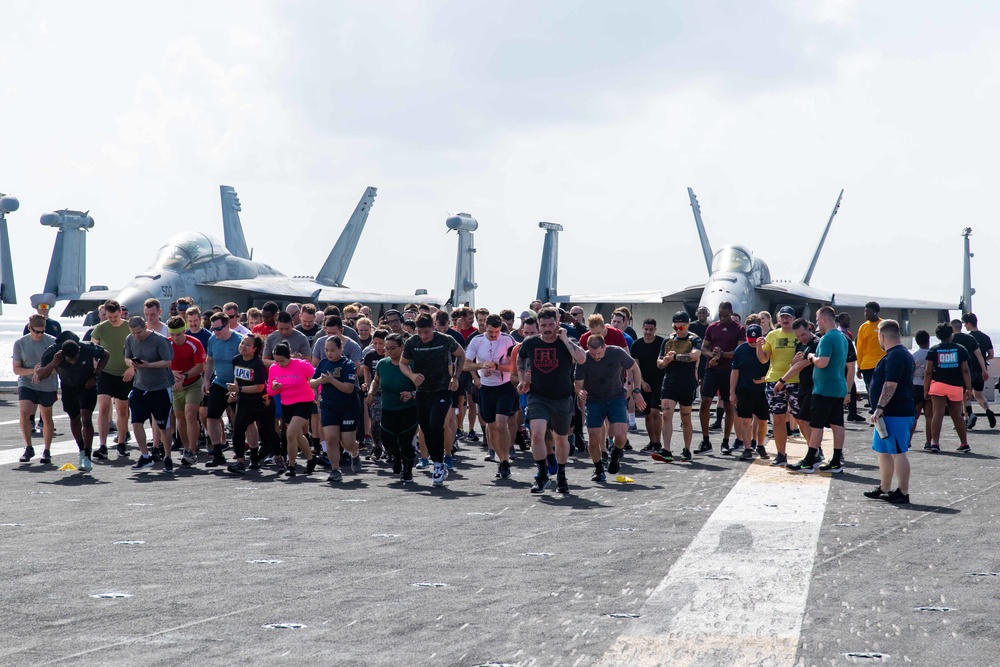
<point x="896" y="366"/>
<point x="343" y="371"/>
<point x="948" y="358"/>
<point x="746" y="362"/>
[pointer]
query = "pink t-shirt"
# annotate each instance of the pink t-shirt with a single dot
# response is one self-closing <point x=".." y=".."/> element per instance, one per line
<point x="294" y="379"/>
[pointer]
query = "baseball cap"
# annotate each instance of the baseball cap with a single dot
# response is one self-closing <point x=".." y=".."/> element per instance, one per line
<point x="527" y="313"/>
<point x="787" y="310"/>
<point x="681" y="316"/>
<point x="754" y="331"/>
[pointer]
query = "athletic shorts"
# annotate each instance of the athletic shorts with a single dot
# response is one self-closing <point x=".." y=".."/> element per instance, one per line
<point x="898" y="440"/>
<point x="145" y="404"/>
<point x="652" y="399"/>
<point x="826" y="411"/>
<point x="977" y="382"/>
<point x="558" y="412"/>
<point x="291" y="410"/>
<point x="918" y="394"/>
<point x="218" y="401"/>
<point x="716" y="382"/>
<point x="751" y="403"/>
<point x="46" y="399"/>
<point x="77" y="399"/>
<point x="779" y="402"/>
<point x="114" y="386"/>
<point x="803" y="409"/>
<point x="496" y="401"/>
<point x="344" y="417"/>
<point x="949" y="391"/>
<point x="189" y="395"/>
<point x="681" y="395"/>
<point x="615" y="410"/>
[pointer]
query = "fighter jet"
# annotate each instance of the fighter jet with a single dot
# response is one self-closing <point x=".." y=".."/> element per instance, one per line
<point x="197" y="265"/>
<point x="737" y="276"/>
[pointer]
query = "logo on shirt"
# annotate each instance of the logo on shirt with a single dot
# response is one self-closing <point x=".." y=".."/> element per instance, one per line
<point x="545" y="360"/>
<point x="243" y="373"/>
<point x="948" y="358"/>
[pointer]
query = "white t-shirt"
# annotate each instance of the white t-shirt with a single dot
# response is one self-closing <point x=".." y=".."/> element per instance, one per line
<point x="483" y="349"/>
<point x="919" y="365"/>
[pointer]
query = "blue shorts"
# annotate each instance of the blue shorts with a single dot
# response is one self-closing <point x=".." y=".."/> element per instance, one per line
<point x="615" y="410"/>
<point x="156" y="403"/>
<point x="898" y="441"/>
<point x="344" y="417"/>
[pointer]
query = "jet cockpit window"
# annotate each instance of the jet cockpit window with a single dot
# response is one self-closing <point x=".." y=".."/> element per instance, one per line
<point x="184" y="250"/>
<point x="732" y="260"/>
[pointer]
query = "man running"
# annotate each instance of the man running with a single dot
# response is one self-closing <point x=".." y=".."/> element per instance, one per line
<point x="489" y="355"/>
<point x="679" y="360"/>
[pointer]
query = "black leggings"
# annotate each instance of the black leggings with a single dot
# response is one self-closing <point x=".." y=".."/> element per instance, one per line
<point x="398" y="429"/>
<point x="433" y="408"/>
<point x="249" y="412"/>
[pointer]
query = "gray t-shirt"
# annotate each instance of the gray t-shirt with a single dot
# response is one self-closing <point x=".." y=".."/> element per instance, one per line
<point x="351" y="349"/>
<point x="298" y="342"/>
<point x="603" y="380"/>
<point x="154" y="348"/>
<point x="29" y="354"/>
<point x="352" y="334"/>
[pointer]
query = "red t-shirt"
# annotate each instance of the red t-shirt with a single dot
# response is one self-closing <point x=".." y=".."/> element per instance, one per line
<point x="726" y="337"/>
<point x="186" y="356"/>
<point x="263" y="330"/>
<point x="467" y="334"/>
<point x="611" y="337"/>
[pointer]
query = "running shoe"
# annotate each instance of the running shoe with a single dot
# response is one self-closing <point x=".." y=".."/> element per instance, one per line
<point x="651" y="447"/>
<point x="598" y="476"/>
<point x="459" y="434"/>
<point x="970" y="420"/>
<point x="324" y="461"/>
<point x="345" y="458"/>
<point x="875" y="494"/>
<point x="47" y="457"/>
<point x="79" y="465"/>
<point x="397" y="466"/>
<point x="439" y="474"/>
<point x="806" y="465"/>
<point x="991" y="418"/>
<point x="254" y="465"/>
<point x="311" y="465"/>
<point x="143" y="463"/>
<point x="704" y="448"/>
<point x="762" y="452"/>
<point x="562" y="486"/>
<point x="279" y="465"/>
<point x="188" y="459"/>
<point x="122" y="449"/>
<point x="490" y="456"/>
<point x="662" y="455"/>
<point x="964" y="448"/>
<point x="407" y="475"/>
<point x="716" y="426"/>
<point x="747" y="455"/>
<point x="628" y="445"/>
<point x="779" y="460"/>
<point x="368" y="442"/>
<point x="686" y="455"/>
<point x="269" y="461"/>
<point x="29" y="451"/>
<point x="422" y="463"/>
<point x="855" y="418"/>
<point x="86" y="465"/>
<point x="539" y="485"/>
<point x="552" y="465"/>
<point x="216" y="461"/>
<point x="897" y="497"/>
<point x="101" y="452"/>
<point x="355" y="464"/>
<point x="504" y="470"/>
<point x="236" y="467"/>
<point x="291" y="472"/>
<point x="471" y="436"/>
<point x="935" y="448"/>
<point x="168" y="464"/>
<point x="835" y="468"/>
<point x="724" y="448"/>
<point x="449" y="462"/>
<point x="927" y="446"/>
<point x="615" y="463"/>
<point x="378" y="451"/>
<point x="335" y="476"/>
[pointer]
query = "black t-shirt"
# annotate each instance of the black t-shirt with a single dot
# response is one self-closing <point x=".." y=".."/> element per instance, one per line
<point x="681" y="373"/>
<point x="971" y="345"/>
<point x="646" y="354"/>
<point x="948" y="358"/>
<point x="896" y="366"/>
<point x="698" y="329"/>
<point x="985" y="343"/>
<point x="750" y="367"/>
<point x="852" y="352"/>
<point x="75" y="375"/>
<point x="806" y="374"/>
<point x="312" y="333"/>
<point x="249" y="373"/>
<point x="431" y="360"/>
<point x="369" y="362"/>
<point x="551" y="367"/>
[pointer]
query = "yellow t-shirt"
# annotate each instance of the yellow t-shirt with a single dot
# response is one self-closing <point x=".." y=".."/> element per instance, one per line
<point x="781" y="345"/>
<point x="869" y="351"/>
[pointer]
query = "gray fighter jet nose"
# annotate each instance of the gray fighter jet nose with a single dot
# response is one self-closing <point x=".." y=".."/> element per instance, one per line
<point x="132" y="298"/>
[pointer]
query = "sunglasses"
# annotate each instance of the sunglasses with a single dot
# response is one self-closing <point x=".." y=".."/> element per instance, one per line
<point x="392" y="321"/>
<point x="680" y="327"/>
<point x="36" y="331"/>
<point x="218" y="328"/>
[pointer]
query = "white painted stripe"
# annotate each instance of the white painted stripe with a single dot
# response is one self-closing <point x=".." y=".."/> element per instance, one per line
<point x="12" y="456"/>
<point x="18" y="421"/>
<point x="737" y="595"/>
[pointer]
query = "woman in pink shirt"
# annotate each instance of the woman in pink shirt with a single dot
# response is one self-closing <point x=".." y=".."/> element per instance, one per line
<point x="289" y="378"/>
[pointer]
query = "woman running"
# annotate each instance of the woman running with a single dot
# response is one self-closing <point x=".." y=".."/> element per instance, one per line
<point x="336" y="378"/>
<point x="253" y="405"/>
<point x="289" y="379"/>
<point x="399" y="407"/>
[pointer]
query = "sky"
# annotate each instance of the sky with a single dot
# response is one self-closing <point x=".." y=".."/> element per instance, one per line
<point x="592" y="115"/>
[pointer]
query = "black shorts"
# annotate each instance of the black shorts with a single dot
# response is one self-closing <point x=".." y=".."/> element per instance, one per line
<point x="803" y="409"/>
<point x="826" y="411"/>
<point x="288" y="411"/>
<point x="652" y="399"/>
<point x="751" y="402"/>
<point x="558" y="412"/>
<point x="218" y="401"/>
<point x="78" y="399"/>
<point x="46" y="399"/>
<point x="114" y="386"/>
<point x="145" y="404"/>
<point x="683" y="395"/>
<point x="498" y="400"/>
<point x="716" y="382"/>
<point x="918" y="394"/>
<point x="977" y="382"/>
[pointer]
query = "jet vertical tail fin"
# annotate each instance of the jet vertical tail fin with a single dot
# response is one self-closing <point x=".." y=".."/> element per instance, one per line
<point x="67" y="274"/>
<point x="232" y="228"/>
<point x="822" y="240"/>
<point x="335" y="268"/>
<point x="706" y="247"/>
<point x="464" y="293"/>
<point x="8" y="204"/>
<point x="548" y="272"/>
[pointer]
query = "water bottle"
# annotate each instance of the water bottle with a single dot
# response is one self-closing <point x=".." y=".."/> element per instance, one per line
<point x="880" y="428"/>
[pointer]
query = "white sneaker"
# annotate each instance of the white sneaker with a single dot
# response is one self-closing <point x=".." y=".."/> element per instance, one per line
<point x="79" y="465"/>
<point x="86" y="465"/>
<point x="440" y="472"/>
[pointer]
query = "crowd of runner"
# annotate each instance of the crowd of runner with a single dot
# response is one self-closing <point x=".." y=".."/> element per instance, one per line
<point x="336" y="387"/>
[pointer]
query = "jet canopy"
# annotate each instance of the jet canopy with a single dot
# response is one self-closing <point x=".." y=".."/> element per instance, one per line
<point x="732" y="259"/>
<point x="187" y="249"/>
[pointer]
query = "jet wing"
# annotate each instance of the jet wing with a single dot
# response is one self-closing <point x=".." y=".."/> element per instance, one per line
<point x="283" y="289"/>
<point x="85" y="302"/>
<point x="799" y="293"/>
<point x="795" y="293"/>
<point x="652" y="296"/>
<point x="859" y="301"/>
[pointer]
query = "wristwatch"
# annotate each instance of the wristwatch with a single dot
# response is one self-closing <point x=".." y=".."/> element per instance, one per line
<point x="637" y="391"/>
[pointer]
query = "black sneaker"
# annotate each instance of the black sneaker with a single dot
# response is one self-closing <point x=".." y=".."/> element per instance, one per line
<point x="143" y="463"/>
<point x="407" y="476"/>
<point x="651" y="447"/>
<point x="897" y="497"/>
<point x="615" y="462"/>
<point x="965" y="449"/>
<point x="291" y="470"/>
<point x="562" y="486"/>
<point x="875" y="494"/>
<point x="686" y="455"/>
<point x="397" y="466"/>
<point x="504" y="470"/>
<point x="779" y="460"/>
<point x="935" y="448"/>
<point x="724" y="448"/>
<point x="471" y="436"/>
<point x="927" y="446"/>
<point x="101" y="452"/>
<point x="991" y="418"/>
<point x="855" y="418"/>
<point x="311" y="465"/>
<point x="747" y="455"/>
<point x="704" y="448"/>
<point x="806" y="465"/>
<point x="762" y="452"/>
<point x="216" y="461"/>
<point x="47" y="457"/>
<point x="29" y="451"/>
<point x="254" y="465"/>
<point x="598" y="476"/>
<point x="122" y="449"/>
<point x="835" y="468"/>
<point x="168" y="464"/>
<point x="236" y="467"/>
<point x="971" y="420"/>
<point x="628" y="445"/>
<point x="539" y="485"/>
<point x="716" y="426"/>
<point x="662" y="455"/>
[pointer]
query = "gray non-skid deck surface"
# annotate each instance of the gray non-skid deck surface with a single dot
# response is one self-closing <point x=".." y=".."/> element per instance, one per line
<point x="527" y="580"/>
